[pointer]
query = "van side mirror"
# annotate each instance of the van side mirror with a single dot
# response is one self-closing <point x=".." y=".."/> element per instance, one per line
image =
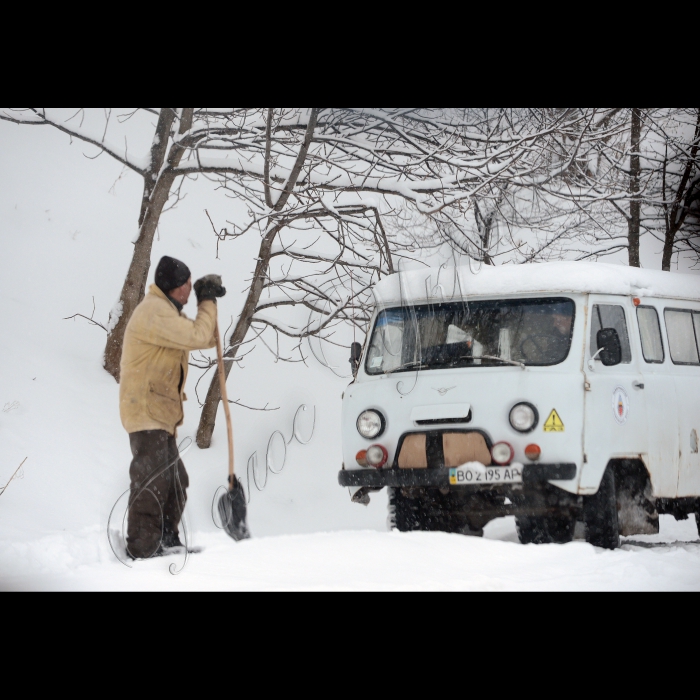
<point x="355" y="355"/>
<point x="610" y="347"/>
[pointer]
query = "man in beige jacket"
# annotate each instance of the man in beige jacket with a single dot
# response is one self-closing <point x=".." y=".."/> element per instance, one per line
<point x="157" y="343"/>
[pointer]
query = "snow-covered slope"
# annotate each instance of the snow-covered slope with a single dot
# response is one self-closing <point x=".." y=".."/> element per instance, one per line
<point x="64" y="240"/>
<point x="66" y="223"/>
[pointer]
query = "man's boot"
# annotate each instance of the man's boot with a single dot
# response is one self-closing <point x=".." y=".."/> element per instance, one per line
<point x="170" y="539"/>
<point x="158" y="553"/>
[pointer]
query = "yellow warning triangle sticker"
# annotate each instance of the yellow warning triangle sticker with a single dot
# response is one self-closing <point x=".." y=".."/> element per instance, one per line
<point x="553" y="424"/>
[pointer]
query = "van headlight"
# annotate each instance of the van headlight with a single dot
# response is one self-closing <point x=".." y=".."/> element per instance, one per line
<point x="524" y="417"/>
<point x="370" y="424"/>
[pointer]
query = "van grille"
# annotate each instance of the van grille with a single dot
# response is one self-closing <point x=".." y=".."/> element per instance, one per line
<point x="445" y="448"/>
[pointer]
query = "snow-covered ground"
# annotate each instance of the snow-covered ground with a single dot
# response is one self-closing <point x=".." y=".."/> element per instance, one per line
<point x="361" y="561"/>
<point x="66" y="223"/>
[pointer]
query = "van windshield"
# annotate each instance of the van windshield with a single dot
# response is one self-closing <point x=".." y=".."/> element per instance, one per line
<point x="535" y="332"/>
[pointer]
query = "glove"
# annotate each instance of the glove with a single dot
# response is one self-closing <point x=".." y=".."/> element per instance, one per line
<point x="209" y="288"/>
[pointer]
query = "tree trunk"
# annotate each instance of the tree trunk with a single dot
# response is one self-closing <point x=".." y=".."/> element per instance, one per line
<point x="156" y="193"/>
<point x="634" y="221"/>
<point x="667" y="256"/>
<point x="134" y="288"/>
<point x="683" y="199"/>
<point x="207" y="421"/>
<point x="485" y="227"/>
<point x="159" y="149"/>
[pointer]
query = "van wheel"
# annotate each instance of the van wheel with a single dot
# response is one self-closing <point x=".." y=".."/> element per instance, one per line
<point x="545" y="530"/>
<point x="600" y="514"/>
<point x="428" y="511"/>
<point x="404" y="514"/>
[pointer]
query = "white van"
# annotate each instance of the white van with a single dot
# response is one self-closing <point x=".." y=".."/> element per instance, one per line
<point x="560" y="393"/>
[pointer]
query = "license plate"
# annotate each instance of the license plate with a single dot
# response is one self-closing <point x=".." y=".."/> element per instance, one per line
<point x="466" y="475"/>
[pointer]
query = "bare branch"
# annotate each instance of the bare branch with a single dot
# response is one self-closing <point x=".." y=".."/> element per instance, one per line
<point x="90" y="320"/>
<point x="17" y="475"/>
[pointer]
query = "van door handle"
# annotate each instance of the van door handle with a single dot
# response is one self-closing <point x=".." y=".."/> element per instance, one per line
<point x="638" y="385"/>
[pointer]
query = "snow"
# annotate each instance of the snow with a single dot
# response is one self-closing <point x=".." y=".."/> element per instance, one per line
<point x="64" y="239"/>
<point x="114" y="315"/>
<point x="545" y="278"/>
<point x="363" y="561"/>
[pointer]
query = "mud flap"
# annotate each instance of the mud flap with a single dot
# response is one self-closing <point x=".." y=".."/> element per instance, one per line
<point x="362" y="495"/>
<point x="600" y="514"/>
<point x="637" y="512"/>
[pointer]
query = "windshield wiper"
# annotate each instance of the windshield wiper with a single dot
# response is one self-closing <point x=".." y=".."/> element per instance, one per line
<point x="418" y="364"/>
<point x="522" y="365"/>
<point x="421" y="365"/>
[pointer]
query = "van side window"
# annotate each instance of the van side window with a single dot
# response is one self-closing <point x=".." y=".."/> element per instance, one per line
<point x="609" y="316"/>
<point x="681" y="328"/>
<point x="650" y="332"/>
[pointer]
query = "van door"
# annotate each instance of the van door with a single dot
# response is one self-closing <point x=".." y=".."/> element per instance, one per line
<point x="683" y="332"/>
<point x="662" y="458"/>
<point x="616" y="411"/>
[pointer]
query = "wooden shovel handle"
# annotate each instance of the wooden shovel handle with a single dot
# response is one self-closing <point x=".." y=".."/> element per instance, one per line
<point x="224" y="398"/>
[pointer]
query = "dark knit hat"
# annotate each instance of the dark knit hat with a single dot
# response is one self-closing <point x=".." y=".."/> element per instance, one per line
<point x="171" y="274"/>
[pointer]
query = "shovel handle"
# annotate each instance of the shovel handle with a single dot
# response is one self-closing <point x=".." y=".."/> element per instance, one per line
<point x="224" y="398"/>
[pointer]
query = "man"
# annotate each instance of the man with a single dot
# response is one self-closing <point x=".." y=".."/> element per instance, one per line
<point x="560" y="337"/>
<point x="154" y="364"/>
<point x="550" y="339"/>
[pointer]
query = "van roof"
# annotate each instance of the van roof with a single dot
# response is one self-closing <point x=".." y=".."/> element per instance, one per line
<point x="454" y="283"/>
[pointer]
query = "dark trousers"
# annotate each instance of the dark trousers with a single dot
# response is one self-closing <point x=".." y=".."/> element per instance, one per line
<point x="158" y="492"/>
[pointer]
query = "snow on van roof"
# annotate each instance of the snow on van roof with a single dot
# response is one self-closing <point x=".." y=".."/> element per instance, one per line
<point x="450" y="283"/>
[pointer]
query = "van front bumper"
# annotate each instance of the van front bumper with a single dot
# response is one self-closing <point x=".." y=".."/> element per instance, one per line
<point x="440" y="478"/>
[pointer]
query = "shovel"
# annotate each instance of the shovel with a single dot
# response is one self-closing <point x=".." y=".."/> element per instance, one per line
<point x="232" y="505"/>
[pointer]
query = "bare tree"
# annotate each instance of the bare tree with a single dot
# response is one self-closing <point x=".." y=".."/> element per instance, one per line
<point x="616" y="188"/>
<point x="332" y="173"/>
<point x="677" y="198"/>
<point x="642" y="177"/>
<point x="329" y="176"/>
<point x="312" y="274"/>
<point x="631" y="172"/>
<point x="435" y="159"/>
<point x="532" y="216"/>
<point x="158" y="170"/>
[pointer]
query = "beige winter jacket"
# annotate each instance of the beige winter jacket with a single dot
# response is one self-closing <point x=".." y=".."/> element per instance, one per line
<point x="155" y="354"/>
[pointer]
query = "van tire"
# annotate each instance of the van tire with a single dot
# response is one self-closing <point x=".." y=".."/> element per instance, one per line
<point x="429" y="511"/>
<point x="404" y="515"/>
<point x="545" y="530"/>
<point x="600" y="514"/>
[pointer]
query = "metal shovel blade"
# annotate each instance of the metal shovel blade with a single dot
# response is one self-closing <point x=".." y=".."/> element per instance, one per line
<point x="233" y="512"/>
